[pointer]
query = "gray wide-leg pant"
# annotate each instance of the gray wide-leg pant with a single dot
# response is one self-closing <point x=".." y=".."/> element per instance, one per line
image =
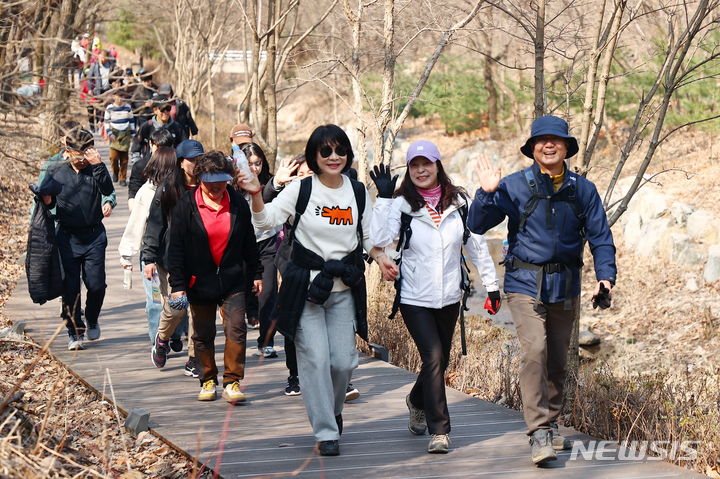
<point x="326" y="355"/>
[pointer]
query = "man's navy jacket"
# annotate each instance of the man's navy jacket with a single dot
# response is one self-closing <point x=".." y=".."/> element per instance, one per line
<point x="551" y="234"/>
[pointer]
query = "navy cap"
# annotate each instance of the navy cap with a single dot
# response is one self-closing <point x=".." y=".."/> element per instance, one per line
<point x="189" y="149"/>
<point x="215" y="177"/>
<point x="549" y="125"/>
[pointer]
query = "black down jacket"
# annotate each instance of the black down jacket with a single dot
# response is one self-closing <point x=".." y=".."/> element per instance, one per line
<point x="42" y="263"/>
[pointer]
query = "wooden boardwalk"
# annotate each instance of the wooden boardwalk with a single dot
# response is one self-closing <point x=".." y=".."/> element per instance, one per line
<point x="269" y="436"/>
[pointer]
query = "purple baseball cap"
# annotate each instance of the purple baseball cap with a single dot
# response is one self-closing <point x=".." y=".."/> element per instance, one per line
<point x="424" y="148"/>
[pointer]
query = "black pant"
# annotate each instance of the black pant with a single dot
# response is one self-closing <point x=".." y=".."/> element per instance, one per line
<point x="82" y="254"/>
<point x="432" y="330"/>
<point x="266" y="301"/>
<point x="290" y="357"/>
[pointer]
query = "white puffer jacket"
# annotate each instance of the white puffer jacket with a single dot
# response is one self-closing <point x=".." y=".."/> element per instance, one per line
<point x="430" y="270"/>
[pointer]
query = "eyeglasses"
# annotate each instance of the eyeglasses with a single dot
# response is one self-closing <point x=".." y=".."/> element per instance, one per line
<point x="326" y="151"/>
<point x="165" y="109"/>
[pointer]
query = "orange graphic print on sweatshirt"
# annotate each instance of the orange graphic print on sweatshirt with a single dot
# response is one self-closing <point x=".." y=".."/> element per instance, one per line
<point x="337" y="215"/>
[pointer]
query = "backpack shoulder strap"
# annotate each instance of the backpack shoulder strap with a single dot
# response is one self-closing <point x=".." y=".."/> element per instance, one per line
<point x="534" y="197"/>
<point x="359" y="191"/>
<point x="405" y="232"/>
<point x="463" y="215"/>
<point x="301" y="203"/>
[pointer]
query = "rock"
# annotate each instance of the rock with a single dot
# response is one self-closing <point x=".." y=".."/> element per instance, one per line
<point x="651" y="204"/>
<point x="711" y="273"/>
<point x="589" y="353"/>
<point x="692" y="284"/>
<point x="632" y="228"/>
<point x="588" y="338"/>
<point x="680" y="212"/>
<point x="685" y="252"/>
<point x="651" y="234"/>
<point x="702" y="226"/>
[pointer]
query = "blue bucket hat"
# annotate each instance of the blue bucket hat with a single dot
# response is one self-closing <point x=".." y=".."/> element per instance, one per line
<point x="189" y="149"/>
<point x="549" y="125"/>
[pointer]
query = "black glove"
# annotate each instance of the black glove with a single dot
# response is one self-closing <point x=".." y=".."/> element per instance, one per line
<point x="380" y="175"/>
<point x="602" y="300"/>
<point x="492" y="303"/>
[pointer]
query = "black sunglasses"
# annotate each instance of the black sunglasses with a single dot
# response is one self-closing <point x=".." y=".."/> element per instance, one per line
<point x="326" y="151"/>
<point x="166" y="108"/>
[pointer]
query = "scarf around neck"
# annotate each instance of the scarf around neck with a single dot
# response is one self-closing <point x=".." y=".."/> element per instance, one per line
<point x="431" y="196"/>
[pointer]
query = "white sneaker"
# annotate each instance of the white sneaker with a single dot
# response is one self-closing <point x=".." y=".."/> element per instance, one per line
<point x="75" y="343"/>
<point x="269" y="352"/>
<point x="233" y="394"/>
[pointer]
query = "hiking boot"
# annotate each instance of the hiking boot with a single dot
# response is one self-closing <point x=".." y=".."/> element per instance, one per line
<point x="176" y="344"/>
<point x="351" y="393"/>
<point x="269" y="352"/>
<point x="159" y="352"/>
<point x="542" y="448"/>
<point x="123" y="183"/>
<point x="232" y="393"/>
<point x="329" y="448"/>
<point x="439" y="444"/>
<point x="191" y="368"/>
<point x="207" y="391"/>
<point x="559" y="443"/>
<point x="93" y="332"/>
<point x="115" y="178"/>
<point x="75" y="343"/>
<point x="416" y="424"/>
<point x="293" y="386"/>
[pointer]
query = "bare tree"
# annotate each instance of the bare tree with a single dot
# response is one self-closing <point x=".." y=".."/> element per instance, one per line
<point x="47" y="28"/>
<point x="275" y="30"/>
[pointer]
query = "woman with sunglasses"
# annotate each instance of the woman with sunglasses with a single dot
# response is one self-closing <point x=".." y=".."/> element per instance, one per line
<point x="322" y="301"/>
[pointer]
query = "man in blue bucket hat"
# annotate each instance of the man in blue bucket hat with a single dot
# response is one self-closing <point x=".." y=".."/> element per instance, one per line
<point x="551" y="212"/>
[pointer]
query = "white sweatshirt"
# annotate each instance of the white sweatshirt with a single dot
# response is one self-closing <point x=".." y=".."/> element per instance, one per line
<point x="430" y="269"/>
<point x="328" y="226"/>
<point x="131" y="241"/>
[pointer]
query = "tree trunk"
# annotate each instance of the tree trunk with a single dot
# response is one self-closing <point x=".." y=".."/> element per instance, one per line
<point x="271" y="139"/>
<point x="539" y="42"/>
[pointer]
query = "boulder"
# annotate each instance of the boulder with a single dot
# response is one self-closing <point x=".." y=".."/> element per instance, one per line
<point x="702" y="226"/>
<point x="685" y="252"/>
<point x="680" y="212"/>
<point x="632" y="228"/>
<point x="711" y="273"/>
<point x="588" y="338"/>
<point x="650" y="236"/>
<point x="651" y="203"/>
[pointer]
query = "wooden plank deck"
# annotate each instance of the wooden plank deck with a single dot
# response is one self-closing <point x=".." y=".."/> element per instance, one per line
<point x="269" y="436"/>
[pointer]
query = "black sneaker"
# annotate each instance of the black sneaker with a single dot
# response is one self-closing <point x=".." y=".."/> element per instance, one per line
<point x="115" y="178"/>
<point x="351" y="393"/>
<point x="159" y="352"/>
<point x="329" y="448"/>
<point x="293" y="386"/>
<point x="176" y="344"/>
<point x="123" y="183"/>
<point x="191" y="368"/>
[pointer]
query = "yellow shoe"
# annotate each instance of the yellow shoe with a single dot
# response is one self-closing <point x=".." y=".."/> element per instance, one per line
<point x="207" y="391"/>
<point x="232" y="393"/>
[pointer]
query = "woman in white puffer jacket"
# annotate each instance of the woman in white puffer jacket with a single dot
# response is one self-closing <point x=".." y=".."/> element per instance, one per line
<point x="430" y="274"/>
